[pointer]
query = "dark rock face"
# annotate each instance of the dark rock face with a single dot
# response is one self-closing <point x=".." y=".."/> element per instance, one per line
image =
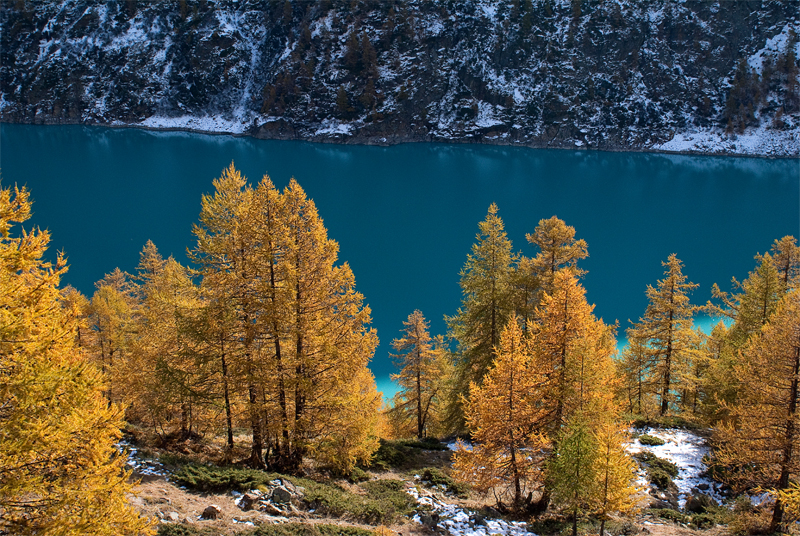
<point x="553" y="73"/>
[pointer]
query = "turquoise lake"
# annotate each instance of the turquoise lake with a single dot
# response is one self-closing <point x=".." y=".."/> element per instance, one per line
<point x="406" y="216"/>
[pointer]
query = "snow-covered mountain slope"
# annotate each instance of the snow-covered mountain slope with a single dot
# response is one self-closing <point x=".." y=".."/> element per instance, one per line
<point x="675" y="75"/>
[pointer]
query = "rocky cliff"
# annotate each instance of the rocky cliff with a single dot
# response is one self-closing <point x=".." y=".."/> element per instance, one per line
<point x="626" y="74"/>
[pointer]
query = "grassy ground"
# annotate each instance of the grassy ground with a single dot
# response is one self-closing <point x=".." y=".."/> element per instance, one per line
<point x="373" y="500"/>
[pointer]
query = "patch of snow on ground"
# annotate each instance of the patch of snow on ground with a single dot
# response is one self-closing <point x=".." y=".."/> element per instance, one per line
<point x="140" y="465"/>
<point x="200" y="124"/>
<point x="754" y="141"/>
<point x="773" y="47"/>
<point x="456" y="521"/>
<point x="686" y="450"/>
<point x="329" y="127"/>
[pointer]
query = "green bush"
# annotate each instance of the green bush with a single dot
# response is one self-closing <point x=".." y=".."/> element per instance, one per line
<point x="703" y="521"/>
<point x="670" y="515"/>
<point x="358" y="475"/>
<point x="660" y="472"/>
<point x="391" y="454"/>
<point x="184" y="530"/>
<point x="435" y="477"/>
<point x="659" y="478"/>
<point x="212" y="478"/>
<point x="427" y="443"/>
<point x="651" y="460"/>
<point x="647" y="439"/>
<point x="385" y="501"/>
<point x="300" y="529"/>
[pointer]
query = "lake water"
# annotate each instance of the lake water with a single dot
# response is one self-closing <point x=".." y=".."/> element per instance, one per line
<point x="406" y="216"/>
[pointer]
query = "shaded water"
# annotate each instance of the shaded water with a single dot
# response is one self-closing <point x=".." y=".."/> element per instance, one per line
<point x="406" y="216"/>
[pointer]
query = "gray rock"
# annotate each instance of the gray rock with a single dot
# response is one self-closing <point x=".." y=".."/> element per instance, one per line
<point x="271" y="509"/>
<point x="430" y="520"/>
<point x="212" y="511"/>
<point x="249" y="501"/>
<point x="281" y="495"/>
<point x="661" y="505"/>
<point x="173" y="516"/>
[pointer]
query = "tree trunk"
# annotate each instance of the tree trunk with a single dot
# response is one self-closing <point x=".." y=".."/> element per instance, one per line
<point x="667" y="371"/>
<point x="226" y="393"/>
<point x="788" y="447"/>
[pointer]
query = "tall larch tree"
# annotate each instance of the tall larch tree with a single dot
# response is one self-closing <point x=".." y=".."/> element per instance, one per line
<point x="565" y="334"/>
<point x="752" y="301"/>
<point x="422" y="378"/>
<point x="176" y="382"/>
<point x="112" y="321"/>
<point x="616" y="472"/>
<point x="329" y="338"/>
<point x="666" y="327"/>
<point x="485" y="306"/>
<point x="502" y="415"/>
<point x="748" y="307"/>
<point x="228" y="261"/>
<point x="636" y="371"/>
<point x="60" y="473"/>
<point x="572" y="469"/>
<point x="760" y="445"/>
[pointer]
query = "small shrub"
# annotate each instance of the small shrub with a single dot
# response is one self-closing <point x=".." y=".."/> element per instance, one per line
<point x="659" y="478"/>
<point x="173" y="459"/>
<point x="703" y="521"/>
<point x="669" y="515"/>
<point x="435" y="477"/>
<point x="660" y="472"/>
<point x="402" y="453"/>
<point x="358" y="475"/>
<point x="300" y="529"/>
<point x="385" y="501"/>
<point x="213" y="478"/>
<point x="650" y="440"/>
<point x="391" y="454"/>
<point x="651" y="460"/>
<point x="184" y="530"/>
<point x="427" y="443"/>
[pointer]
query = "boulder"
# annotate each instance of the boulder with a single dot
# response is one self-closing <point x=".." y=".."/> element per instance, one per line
<point x="281" y="495"/>
<point x="249" y="501"/>
<point x="271" y="509"/>
<point x="703" y="487"/>
<point x="429" y="519"/>
<point x="699" y="503"/>
<point x="212" y="511"/>
<point x="667" y="497"/>
<point x="658" y="504"/>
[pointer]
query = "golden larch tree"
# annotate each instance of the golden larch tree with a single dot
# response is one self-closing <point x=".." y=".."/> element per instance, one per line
<point x="502" y="415"/>
<point x="422" y="378"/>
<point x="485" y="307"/>
<point x="60" y="472"/>
<point x="760" y="443"/>
<point x="666" y="327"/>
